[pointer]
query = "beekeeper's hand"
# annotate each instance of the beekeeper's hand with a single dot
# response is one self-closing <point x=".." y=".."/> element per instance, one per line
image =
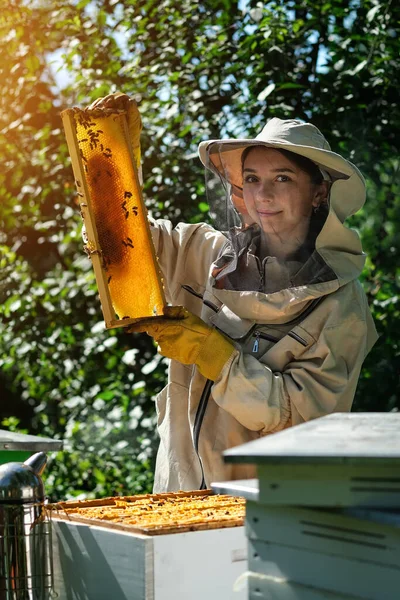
<point x="117" y="101"/>
<point x="184" y="337"/>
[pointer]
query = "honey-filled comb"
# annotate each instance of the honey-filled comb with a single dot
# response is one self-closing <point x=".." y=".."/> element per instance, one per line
<point x="105" y="164"/>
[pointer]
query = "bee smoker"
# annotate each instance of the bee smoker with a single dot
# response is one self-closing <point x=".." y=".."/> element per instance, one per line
<point x="25" y="549"/>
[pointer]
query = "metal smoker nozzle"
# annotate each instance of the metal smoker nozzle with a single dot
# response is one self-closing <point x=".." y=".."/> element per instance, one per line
<point x="37" y="462"/>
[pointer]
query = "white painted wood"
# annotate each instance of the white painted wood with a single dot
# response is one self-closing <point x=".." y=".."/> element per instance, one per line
<point x="349" y="552"/>
<point x="200" y="565"/>
<point x="365" y="580"/>
<point x="331" y="532"/>
<point x="94" y="563"/>
<point x="245" y="488"/>
<point x="338" y="460"/>
<point x="352" y="437"/>
<point x="330" y="485"/>
<point x="264" y="587"/>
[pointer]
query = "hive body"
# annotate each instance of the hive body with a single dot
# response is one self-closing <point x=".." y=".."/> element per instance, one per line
<point x="119" y="238"/>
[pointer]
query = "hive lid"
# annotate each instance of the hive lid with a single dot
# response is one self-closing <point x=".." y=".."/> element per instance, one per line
<point x="355" y="438"/>
<point x="245" y="488"/>
<point x="10" y="440"/>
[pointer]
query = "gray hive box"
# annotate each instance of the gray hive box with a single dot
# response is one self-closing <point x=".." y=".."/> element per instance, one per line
<point x="323" y="519"/>
<point x="17" y="447"/>
<point x="338" y="460"/>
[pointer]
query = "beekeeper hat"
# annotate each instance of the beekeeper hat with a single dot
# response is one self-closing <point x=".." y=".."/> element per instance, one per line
<point x="225" y="156"/>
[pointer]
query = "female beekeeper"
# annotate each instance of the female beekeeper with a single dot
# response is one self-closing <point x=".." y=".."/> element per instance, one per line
<point x="277" y="324"/>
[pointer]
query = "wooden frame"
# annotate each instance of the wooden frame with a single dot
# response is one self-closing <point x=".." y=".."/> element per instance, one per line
<point x="88" y="214"/>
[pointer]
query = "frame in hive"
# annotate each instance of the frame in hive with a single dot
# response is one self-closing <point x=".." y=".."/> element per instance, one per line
<point x="113" y="210"/>
<point x="157" y="514"/>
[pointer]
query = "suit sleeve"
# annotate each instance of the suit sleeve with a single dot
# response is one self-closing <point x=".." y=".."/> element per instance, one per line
<point x="320" y="381"/>
<point x="185" y="254"/>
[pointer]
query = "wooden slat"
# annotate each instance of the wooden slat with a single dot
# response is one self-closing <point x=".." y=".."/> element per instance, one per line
<point x="151" y="531"/>
<point x="110" y="500"/>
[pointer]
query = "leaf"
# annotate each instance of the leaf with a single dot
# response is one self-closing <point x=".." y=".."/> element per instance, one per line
<point x="99" y="475"/>
<point x="291" y="86"/>
<point x="82" y="4"/>
<point x="32" y="64"/>
<point x="266" y="92"/>
<point x="372" y="12"/>
<point x="106" y="395"/>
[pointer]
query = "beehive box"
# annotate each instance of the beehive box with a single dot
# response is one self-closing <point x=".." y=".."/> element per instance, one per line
<point x="347" y="553"/>
<point x="323" y="518"/>
<point x="181" y="557"/>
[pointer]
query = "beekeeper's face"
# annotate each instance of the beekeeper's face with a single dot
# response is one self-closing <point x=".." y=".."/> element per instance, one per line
<point x="278" y="194"/>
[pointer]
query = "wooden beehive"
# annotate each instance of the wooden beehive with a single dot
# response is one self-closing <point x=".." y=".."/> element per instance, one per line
<point x="105" y="166"/>
<point x="194" y="555"/>
<point x="322" y="520"/>
<point x="348" y="553"/>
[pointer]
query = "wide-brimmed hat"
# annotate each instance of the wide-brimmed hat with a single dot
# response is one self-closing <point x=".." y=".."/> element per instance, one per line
<point x="225" y="156"/>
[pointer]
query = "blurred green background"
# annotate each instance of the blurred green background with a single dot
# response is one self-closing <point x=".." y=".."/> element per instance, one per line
<point x="198" y="70"/>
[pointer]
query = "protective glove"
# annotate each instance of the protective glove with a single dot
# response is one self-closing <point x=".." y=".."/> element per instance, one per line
<point x="184" y="337"/>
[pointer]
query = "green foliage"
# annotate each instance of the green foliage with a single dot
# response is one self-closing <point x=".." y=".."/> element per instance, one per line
<point x="198" y="71"/>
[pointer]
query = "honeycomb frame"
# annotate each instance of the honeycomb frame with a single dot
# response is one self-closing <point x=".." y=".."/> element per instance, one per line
<point x="100" y="125"/>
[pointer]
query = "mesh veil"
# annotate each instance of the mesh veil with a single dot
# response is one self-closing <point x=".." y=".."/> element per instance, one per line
<point x="270" y="237"/>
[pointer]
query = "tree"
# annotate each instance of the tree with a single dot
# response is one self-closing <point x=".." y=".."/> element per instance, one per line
<point x="198" y="71"/>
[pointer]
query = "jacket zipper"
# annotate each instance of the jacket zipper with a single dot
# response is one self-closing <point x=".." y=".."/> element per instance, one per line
<point x="198" y="421"/>
<point x="264" y="336"/>
<point x="261" y="272"/>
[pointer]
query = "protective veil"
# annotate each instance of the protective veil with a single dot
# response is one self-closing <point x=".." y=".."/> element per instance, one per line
<point x="303" y="232"/>
<point x="247" y="263"/>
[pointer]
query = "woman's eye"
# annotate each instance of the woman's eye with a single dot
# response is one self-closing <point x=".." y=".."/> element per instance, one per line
<point x="283" y="178"/>
<point x="250" y="179"/>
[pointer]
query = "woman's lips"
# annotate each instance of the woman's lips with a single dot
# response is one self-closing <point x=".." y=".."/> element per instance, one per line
<point x="268" y="213"/>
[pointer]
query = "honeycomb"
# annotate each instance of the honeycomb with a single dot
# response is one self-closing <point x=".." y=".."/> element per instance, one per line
<point x="109" y="163"/>
<point x="161" y="513"/>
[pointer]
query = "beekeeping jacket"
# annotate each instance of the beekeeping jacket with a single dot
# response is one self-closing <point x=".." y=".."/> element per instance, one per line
<point x="301" y="333"/>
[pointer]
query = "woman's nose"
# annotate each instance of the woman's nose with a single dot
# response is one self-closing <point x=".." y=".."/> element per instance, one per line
<point x="265" y="192"/>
